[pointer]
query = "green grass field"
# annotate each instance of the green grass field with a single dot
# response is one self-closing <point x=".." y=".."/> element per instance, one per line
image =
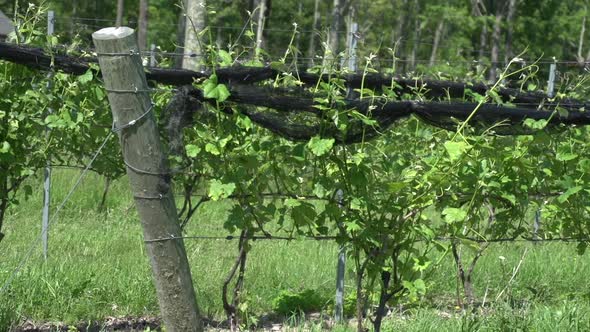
<point x="97" y="268"/>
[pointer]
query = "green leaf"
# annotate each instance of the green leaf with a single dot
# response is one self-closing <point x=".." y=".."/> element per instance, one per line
<point x="420" y="264"/>
<point x="571" y="191"/>
<point x="86" y="77"/>
<point x="98" y="92"/>
<point x="584" y="165"/>
<point x="352" y="226"/>
<point x="396" y="187"/>
<point x="320" y="146"/>
<point x="303" y="214"/>
<point x="320" y="191"/>
<point x="291" y="202"/>
<point x="192" y="150"/>
<point x="566" y="156"/>
<point x="456" y="149"/>
<point x="279" y="66"/>
<point x="509" y="197"/>
<point x="212" y="149"/>
<point x="415" y="289"/>
<point x="536" y="124"/>
<point x="225" y="57"/>
<point x="222" y="92"/>
<point x="453" y="215"/>
<point x="219" y="190"/>
<point x="356" y="204"/>
<point x="5" y="147"/>
<point x="209" y="85"/>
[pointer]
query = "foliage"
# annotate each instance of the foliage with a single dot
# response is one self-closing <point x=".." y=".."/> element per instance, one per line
<point x="47" y="119"/>
<point x="293" y="303"/>
<point x="402" y="193"/>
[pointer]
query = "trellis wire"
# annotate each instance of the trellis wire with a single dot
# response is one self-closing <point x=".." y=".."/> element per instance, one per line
<point x="378" y="60"/>
<point x="232" y="237"/>
<point x="36" y="241"/>
<point x="115" y="129"/>
<point x="402" y="40"/>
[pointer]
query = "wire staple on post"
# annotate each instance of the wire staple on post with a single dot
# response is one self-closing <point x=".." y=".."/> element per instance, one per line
<point x="132" y="123"/>
<point x="130" y="53"/>
<point x="136" y="90"/>
<point x="142" y="171"/>
<point x="158" y="197"/>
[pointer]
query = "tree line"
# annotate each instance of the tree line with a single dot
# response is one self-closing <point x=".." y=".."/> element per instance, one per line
<point x="405" y="35"/>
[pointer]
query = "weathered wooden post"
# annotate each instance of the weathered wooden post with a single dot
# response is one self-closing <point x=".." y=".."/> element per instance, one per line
<point x="149" y="175"/>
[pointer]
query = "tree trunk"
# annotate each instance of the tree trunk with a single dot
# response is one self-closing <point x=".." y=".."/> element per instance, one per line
<point x="579" y="55"/>
<point x="180" y="36"/>
<point x="149" y="177"/>
<point x="335" y="27"/>
<point x="219" y="39"/>
<point x="400" y="31"/>
<point x="436" y="41"/>
<point x="495" y="56"/>
<point x="196" y="13"/>
<point x="260" y="11"/>
<point x="298" y="36"/>
<point x="142" y="25"/>
<point x="119" y="21"/>
<point x="384" y="296"/>
<point x="74" y="14"/>
<point x="402" y="9"/>
<point x="510" y="30"/>
<point x="314" y="27"/>
<point x="105" y="192"/>
<point x="483" y="42"/>
<point x="478" y="11"/>
<point x="417" y="35"/>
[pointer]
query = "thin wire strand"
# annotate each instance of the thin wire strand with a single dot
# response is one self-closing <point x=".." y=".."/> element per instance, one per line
<point x="321" y="238"/>
<point x="133" y="122"/>
<point x="237" y="237"/>
<point x="377" y="61"/>
<point x="53" y="218"/>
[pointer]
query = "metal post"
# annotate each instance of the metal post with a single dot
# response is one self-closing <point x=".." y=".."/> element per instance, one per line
<point x="341" y="267"/>
<point x="551" y="81"/>
<point x="550" y="94"/>
<point x="47" y="172"/>
<point x="537" y="224"/>
<point x="339" y="305"/>
<point x="152" y="55"/>
<point x="352" y="47"/>
<point x="50" y="22"/>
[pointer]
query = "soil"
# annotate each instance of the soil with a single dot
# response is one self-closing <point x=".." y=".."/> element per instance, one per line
<point x="268" y="323"/>
<point x="110" y="324"/>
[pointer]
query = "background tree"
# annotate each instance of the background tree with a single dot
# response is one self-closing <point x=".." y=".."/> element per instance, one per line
<point x="142" y="25"/>
<point x="195" y="23"/>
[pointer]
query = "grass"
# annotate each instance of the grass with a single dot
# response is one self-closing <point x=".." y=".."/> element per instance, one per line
<point x="97" y="268"/>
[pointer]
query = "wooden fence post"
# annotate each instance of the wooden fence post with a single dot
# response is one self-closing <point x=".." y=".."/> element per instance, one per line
<point x="149" y="175"/>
